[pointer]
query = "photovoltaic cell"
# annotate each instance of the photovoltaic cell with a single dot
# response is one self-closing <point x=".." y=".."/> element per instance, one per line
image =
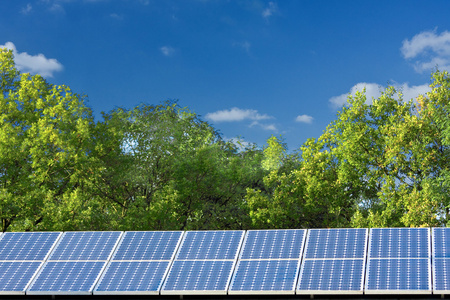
<point x="210" y="245"/>
<point x="85" y="245"/>
<point x="124" y="277"/>
<point x="26" y="245"/>
<point x="273" y="244"/>
<point x="198" y="277"/>
<point x="332" y="275"/>
<point x="336" y="243"/>
<point x="67" y="277"/>
<point x="15" y="276"/>
<point x="265" y="276"/>
<point x="148" y="245"/>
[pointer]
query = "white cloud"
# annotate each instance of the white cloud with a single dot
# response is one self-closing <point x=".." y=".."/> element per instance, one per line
<point x="304" y="119"/>
<point x="428" y="49"/>
<point x="374" y="90"/>
<point x="34" y="64"/>
<point x="244" y="45"/>
<point x="27" y="9"/>
<point x="270" y="10"/>
<point x="268" y="127"/>
<point x="167" y="50"/>
<point x="236" y="114"/>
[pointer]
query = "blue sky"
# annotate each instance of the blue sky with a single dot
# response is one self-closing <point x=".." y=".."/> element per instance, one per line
<point x="251" y="68"/>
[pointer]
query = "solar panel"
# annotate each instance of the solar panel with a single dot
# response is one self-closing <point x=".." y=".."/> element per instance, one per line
<point x="204" y="263"/>
<point x="269" y="262"/>
<point x="148" y="245"/>
<point x="333" y="262"/>
<point x="27" y="245"/>
<point x="441" y="260"/>
<point x="399" y="261"/>
<point x="210" y="245"/>
<point x="198" y="277"/>
<point x="441" y="276"/>
<point x="75" y="264"/>
<point x="86" y="245"/>
<point x="399" y="243"/>
<point x="140" y="263"/>
<point x="336" y="243"/>
<point x="67" y="277"/>
<point x="265" y="277"/>
<point x="441" y="242"/>
<point x="398" y="276"/>
<point x="15" y="276"/>
<point x="132" y="277"/>
<point x="21" y="256"/>
<point x="330" y="276"/>
<point x="273" y="244"/>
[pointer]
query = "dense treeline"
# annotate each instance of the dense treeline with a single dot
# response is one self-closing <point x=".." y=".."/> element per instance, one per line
<point x="160" y="167"/>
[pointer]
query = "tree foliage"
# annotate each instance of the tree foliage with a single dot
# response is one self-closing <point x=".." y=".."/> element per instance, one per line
<point x="382" y="162"/>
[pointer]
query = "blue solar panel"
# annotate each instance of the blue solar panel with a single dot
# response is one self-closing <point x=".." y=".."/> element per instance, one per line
<point x="15" y="276"/>
<point x="132" y="277"/>
<point x="66" y="277"/>
<point x="441" y="242"/>
<point x="148" y="245"/>
<point x="336" y="243"/>
<point x="26" y="245"/>
<point x="86" y="245"/>
<point x="273" y="244"/>
<point x="398" y="276"/>
<point x="210" y="245"/>
<point x="265" y="277"/>
<point x="198" y="277"/>
<point x="441" y="276"/>
<point x="326" y="276"/>
<point x="399" y="243"/>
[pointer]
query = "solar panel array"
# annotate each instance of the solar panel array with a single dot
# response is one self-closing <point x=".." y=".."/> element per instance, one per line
<point x="204" y="263"/>
<point x="269" y="262"/>
<point x="399" y="261"/>
<point x="21" y="256"/>
<point x="300" y="261"/>
<point x="333" y="262"/>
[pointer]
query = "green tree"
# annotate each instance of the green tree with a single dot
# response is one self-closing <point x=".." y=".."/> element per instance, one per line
<point x="45" y="142"/>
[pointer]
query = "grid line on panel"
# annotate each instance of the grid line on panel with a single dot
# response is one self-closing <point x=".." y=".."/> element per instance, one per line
<point x="273" y="244"/>
<point x="67" y="277"/>
<point x="441" y="242"/>
<point x="204" y="263"/>
<point x="399" y="243"/>
<point x="148" y="245"/>
<point x="27" y="246"/>
<point x="331" y="275"/>
<point x="200" y="275"/>
<point x="265" y="275"/>
<point x="86" y="245"/>
<point x="15" y="276"/>
<point x="336" y="243"/>
<point x="395" y="274"/>
<point x="216" y="245"/>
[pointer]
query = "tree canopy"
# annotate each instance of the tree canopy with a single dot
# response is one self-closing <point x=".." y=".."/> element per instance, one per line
<point x="160" y="167"/>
